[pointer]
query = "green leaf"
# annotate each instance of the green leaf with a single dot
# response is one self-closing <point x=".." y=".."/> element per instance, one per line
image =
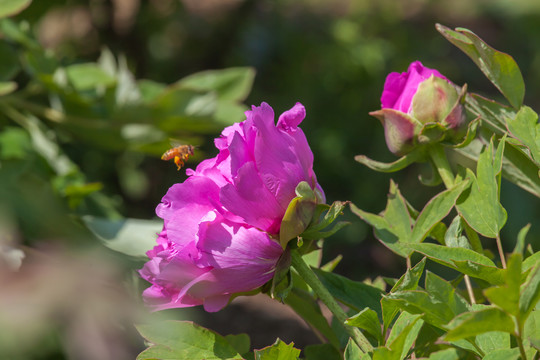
<point x="408" y="281"/>
<point x="507" y="296"/>
<point x="518" y="167"/>
<point x="354" y="294"/>
<point x="133" y="237"/>
<point x="525" y="127"/>
<point x="88" y="76"/>
<point x="404" y="333"/>
<point x="447" y="354"/>
<point x="493" y="340"/>
<point x="520" y="243"/>
<point x="400" y="339"/>
<point x="500" y="68"/>
<point x="401" y="163"/>
<point x="232" y="84"/>
<point x="321" y="352"/>
<point x="353" y="352"/>
<point x="435" y="210"/>
<point x="383" y="231"/>
<point x="474" y="323"/>
<point x="531" y="261"/>
<point x="240" y="342"/>
<point x="530" y="293"/>
<point x="453" y="237"/>
<point x="12" y="7"/>
<point x="480" y="205"/>
<point x="393" y="228"/>
<point x="319" y="226"/>
<point x="503" y="354"/>
<point x="420" y="302"/>
<point x="278" y="351"/>
<point x="173" y="340"/>
<point x="443" y="291"/>
<point x="467" y="261"/>
<point x="367" y="320"/>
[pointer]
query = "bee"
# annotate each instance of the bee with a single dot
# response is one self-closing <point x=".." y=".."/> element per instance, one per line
<point x="180" y="154"/>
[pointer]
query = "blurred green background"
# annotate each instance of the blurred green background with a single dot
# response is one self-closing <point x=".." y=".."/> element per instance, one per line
<point x="332" y="56"/>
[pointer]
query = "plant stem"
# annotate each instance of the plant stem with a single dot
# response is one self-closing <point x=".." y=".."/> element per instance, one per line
<point x="501" y="251"/>
<point x="441" y="163"/>
<point x="521" y="348"/>
<point x="311" y="279"/>
<point x="469" y="289"/>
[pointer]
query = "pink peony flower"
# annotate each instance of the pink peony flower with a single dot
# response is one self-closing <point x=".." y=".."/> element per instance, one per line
<point x="220" y="227"/>
<point x="413" y="99"/>
<point x="260" y="164"/>
<point x="202" y="257"/>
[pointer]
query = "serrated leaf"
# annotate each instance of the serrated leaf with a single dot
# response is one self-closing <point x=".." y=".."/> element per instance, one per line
<point x="407" y="328"/>
<point x="408" y="281"/>
<point x="278" y="351"/>
<point x="453" y="236"/>
<point x="173" y="340"/>
<point x="524" y="126"/>
<point x="420" y="302"/>
<point x="382" y="230"/>
<point x="367" y="320"/>
<point x="467" y="261"/>
<point x="520" y="243"/>
<point x="531" y="261"/>
<point x="133" y="237"/>
<point x="435" y="210"/>
<point x="500" y="68"/>
<point x="403" y="334"/>
<point x="507" y="295"/>
<point x="442" y="290"/>
<point x="474" y="323"/>
<point x="530" y="293"/>
<point x="355" y="294"/>
<point x="480" y="205"/>
<point x="353" y="352"/>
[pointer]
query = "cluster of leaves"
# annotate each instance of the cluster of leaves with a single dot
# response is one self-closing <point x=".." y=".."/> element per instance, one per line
<point x="55" y="114"/>
<point x="487" y="310"/>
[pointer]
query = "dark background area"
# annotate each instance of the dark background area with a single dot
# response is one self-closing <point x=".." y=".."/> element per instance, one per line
<point x="332" y="56"/>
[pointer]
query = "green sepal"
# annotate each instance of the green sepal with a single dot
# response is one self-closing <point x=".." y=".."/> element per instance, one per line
<point x="319" y="228"/>
<point x="434" y="100"/>
<point x="416" y="155"/>
<point x="298" y="214"/>
<point x="282" y="280"/>
<point x="400" y="129"/>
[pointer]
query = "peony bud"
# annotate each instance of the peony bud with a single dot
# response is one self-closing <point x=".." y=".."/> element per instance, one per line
<point x="419" y="107"/>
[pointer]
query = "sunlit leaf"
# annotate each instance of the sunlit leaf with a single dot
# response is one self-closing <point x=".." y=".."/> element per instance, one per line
<point x="500" y="68"/>
<point x="473" y="323"/>
<point x="278" y="351"/>
<point x="171" y="340"/>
